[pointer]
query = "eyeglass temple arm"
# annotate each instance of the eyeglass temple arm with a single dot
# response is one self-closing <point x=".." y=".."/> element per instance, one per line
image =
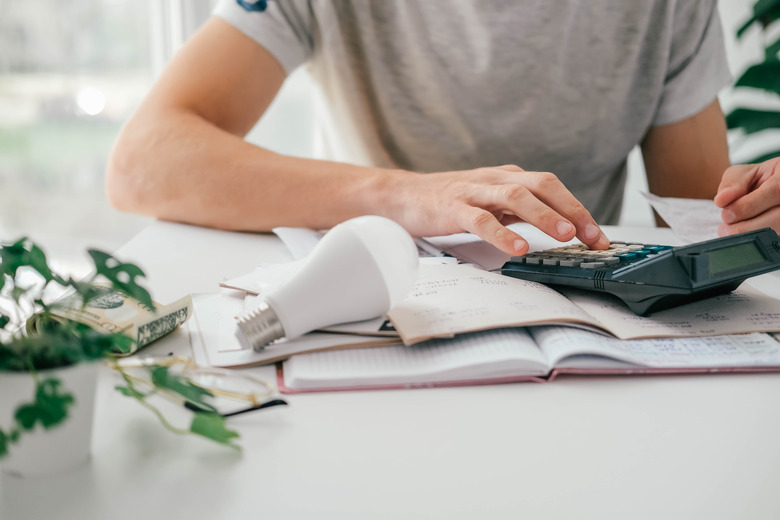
<point x="267" y="404"/>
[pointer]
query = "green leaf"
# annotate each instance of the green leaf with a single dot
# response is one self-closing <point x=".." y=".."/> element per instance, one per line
<point x="128" y="391"/>
<point x="764" y="12"/>
<point x="772" y="51"/>
<point x="762" y="76"/>
<point x="213" y="426"/>
<point x="163" y="378"/>
<point x="764" y="157"/>
<point x="122" y="276"/>
<point x="4" y="320"/>
<point x="23" y="253"/>
<point x="87" y="291"/>
<point x="49" y="409"/>
<point x="4" y="442"/>
<point x="97" y="345"/>
<point x="752" y="120"/>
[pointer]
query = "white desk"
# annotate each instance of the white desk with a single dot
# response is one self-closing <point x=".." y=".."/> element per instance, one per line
<point x="590" y="447"/>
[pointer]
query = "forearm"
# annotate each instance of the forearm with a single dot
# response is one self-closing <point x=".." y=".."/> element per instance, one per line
<point x="177" y="166"/>
<point x="686" y="159"/>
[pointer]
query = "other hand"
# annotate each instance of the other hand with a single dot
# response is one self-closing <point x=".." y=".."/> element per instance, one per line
<point x="749" y="195"/>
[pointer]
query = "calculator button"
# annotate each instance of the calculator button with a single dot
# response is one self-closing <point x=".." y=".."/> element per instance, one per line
<point x="591" y="265"/>
<point x="533" y="260"/>
<point x="611" y="260"/>
<point x="570" y="262"/>
<point x="550" y="261"/>
<point x="657" y="249"/>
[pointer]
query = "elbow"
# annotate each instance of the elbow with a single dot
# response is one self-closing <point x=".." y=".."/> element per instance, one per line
<point x="124" y="173"/>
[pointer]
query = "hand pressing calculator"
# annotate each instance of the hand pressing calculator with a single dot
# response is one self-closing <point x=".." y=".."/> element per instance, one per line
<point x="650" y="278"/>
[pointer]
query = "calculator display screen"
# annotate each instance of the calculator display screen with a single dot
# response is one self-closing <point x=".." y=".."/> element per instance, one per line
<point x="734" y="257"/>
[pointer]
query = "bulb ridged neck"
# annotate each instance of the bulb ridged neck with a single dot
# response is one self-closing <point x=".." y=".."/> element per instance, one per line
<point x="259" y="327"/>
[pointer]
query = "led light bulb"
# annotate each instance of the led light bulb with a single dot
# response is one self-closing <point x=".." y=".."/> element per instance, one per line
<point x="358" y="271"/>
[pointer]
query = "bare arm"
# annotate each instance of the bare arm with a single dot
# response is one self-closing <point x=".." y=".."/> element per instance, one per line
<point x="687" y="158"/>
<point x="182" y="157"/>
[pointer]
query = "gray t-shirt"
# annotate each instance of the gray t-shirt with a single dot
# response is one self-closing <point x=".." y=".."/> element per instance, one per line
<point x="565" y="86"/>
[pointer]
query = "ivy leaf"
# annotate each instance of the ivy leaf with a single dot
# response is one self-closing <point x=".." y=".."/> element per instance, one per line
<point x="50" y="407"/>
<point x="122" y="276"/>
<point x="120" y="344"/>
<point x="163" y="378"/>
<point x="24" y="253"/>
<point x="128" y="391"/>
<point x="4" y="441"/>
<point x="86" y="291"/>
<point x="213" y="426"/>
<point x="97" y="345"/>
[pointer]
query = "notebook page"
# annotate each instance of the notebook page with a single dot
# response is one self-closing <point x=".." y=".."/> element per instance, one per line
<point x="744" y="310"/>
<point x="495" y="353"/>
<point x="451" y="299"/>
<point x="738" y="350"/>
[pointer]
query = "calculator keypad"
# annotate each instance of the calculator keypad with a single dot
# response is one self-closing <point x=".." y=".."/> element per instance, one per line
<point x="619" y="254"/>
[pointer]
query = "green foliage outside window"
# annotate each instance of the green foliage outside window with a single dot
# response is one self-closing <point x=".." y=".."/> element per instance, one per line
<point x="763" y="76"/>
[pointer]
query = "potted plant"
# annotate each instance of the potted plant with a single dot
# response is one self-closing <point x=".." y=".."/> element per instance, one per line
<point x="48" y="370"/>
<point x="762" y="76"/>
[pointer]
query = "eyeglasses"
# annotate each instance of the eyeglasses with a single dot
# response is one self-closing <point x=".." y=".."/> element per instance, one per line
<point x="230" y="392"/>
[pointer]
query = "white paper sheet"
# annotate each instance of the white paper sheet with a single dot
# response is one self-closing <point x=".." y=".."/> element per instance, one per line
<point x="693" y="220"/>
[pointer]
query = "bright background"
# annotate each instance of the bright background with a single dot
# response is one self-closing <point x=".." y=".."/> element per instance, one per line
<point x="72" y="71"/>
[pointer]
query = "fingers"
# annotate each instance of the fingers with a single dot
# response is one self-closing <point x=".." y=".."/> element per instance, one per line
<point x="486" y="226"/>
<point x="769" y="218"/>
<point x="754" y="203"/>
<point x="543" y="201"/>
<point x="486" y="200"/>
<point x="749" y="191"/>
<point x="736" y="182"/>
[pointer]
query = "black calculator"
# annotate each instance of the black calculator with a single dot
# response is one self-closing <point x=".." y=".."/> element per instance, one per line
<point x="649" y="277"/>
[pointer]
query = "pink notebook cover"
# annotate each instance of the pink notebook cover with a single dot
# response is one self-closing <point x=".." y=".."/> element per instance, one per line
<point x="283" y="388"/>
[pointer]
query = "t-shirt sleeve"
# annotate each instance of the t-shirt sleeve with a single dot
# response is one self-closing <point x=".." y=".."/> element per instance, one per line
<point x="283" y="27"/>
<point x="698" y="69"/>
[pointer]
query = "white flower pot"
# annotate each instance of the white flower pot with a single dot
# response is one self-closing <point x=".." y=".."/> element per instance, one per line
<point x="43" y="452"/>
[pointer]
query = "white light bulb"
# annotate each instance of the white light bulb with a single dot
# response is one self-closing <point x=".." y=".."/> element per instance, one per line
<point x="358" y="271"/>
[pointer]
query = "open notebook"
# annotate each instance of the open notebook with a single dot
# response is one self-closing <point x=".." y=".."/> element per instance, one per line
<point x="522" y="354"/>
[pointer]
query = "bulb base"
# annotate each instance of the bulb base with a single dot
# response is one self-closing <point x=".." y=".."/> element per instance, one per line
<point x="259" y="327"/>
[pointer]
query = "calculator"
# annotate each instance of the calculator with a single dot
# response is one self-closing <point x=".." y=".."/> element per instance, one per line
<point x="650" y="277"/>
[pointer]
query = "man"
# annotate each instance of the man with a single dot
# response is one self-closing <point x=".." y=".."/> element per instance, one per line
<point x="424" y="99"/>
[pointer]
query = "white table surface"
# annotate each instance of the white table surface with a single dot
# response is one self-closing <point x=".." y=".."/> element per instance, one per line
<point x="641" y="447"/>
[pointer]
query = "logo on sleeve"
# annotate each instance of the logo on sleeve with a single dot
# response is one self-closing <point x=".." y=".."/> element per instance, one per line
<point x="253" y="5"/>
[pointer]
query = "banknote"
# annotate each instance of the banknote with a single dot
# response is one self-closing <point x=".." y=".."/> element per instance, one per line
<point x="115" y="312"/>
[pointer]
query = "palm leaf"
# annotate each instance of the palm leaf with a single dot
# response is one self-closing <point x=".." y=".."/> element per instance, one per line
<point x="772" y="50"/>
<point x="764" y="12"/>
<point x="752" y="120"/>
<point x="764" y="157"/>
<point x="764" y="76"/>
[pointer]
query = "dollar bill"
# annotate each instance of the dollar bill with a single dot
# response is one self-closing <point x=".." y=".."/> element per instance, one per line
<point x="115" y="312"/>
